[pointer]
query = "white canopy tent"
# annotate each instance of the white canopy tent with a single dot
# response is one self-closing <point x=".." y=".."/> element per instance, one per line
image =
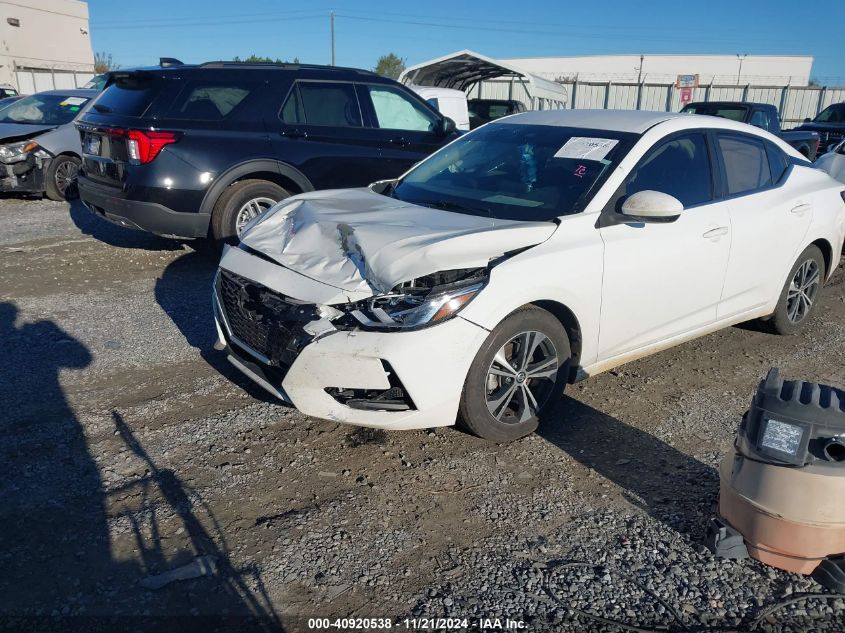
<point x="467" y="70"/>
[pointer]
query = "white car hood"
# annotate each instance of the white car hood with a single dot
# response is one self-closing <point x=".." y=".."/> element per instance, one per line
<point x="365" y="243"/>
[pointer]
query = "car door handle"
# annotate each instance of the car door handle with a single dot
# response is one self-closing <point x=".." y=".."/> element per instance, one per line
<point x="402" y="142"/>
<point x="717" y="232"/>
<point x="800" y="209"/>
<point x="294" y="133"/>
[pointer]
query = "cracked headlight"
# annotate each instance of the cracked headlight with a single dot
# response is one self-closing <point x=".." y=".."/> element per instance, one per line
<point x="421" y="302"/>
<point x="14" y="152"/>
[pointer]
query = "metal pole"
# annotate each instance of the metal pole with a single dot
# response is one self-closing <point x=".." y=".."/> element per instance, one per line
<point x="741" y="58"/>
<point x="331" y="19"/>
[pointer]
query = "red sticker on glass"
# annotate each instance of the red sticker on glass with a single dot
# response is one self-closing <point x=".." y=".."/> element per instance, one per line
<point x="580" y="171"/>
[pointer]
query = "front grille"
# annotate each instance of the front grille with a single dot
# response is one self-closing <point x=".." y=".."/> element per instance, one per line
<point x="263" y="320"/>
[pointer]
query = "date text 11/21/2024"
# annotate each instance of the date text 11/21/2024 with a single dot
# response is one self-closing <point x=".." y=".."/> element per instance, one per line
<point x="416" y="624"/>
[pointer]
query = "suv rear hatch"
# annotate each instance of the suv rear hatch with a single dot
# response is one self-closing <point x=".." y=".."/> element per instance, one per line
<point x="116" y="131"/>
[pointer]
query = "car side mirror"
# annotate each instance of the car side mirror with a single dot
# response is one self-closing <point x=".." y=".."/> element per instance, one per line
<point x="445" y="126"/>
<point x="652" y="206"/>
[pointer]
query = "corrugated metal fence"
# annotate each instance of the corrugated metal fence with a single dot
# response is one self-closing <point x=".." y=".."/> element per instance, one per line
<point x="32" y="80"/>
<point x="795" y="103"/>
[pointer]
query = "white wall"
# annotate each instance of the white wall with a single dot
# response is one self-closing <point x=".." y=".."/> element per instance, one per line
<point x="719" y="69"/>
<point x="53" y="36"/>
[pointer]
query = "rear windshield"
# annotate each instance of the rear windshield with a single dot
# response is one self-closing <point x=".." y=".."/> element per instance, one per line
<point x="128" y="96"/>
<point x="732" y="112"/>
<point x="43" y="109"/>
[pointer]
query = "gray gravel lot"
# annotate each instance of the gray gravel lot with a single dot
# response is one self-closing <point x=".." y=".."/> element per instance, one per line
<point x="130" y="448"/>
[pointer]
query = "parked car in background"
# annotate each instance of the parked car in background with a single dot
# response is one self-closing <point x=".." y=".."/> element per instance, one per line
<point x="762" y="115"/>
<point x="834" y="162"/>
<point x="7" y="91"/>
<point x="483" y="111"/>
<point x="448" y="101"/>
<point x="189" y="151"/>
<point x="830" y="126"/>
<point x="39" y="145"/>
<point x="539" y="249"/>
<point x="97" y="82"/>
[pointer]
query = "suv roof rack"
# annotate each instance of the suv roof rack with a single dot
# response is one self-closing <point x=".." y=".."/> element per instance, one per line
<point x="231" y="64"/>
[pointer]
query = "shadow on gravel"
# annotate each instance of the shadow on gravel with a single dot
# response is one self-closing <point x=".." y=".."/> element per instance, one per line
<point x="58" y="569"/>
<point x="674" y="488"/>
<point x="184" y="292"/>
<point x="114" y="235"/>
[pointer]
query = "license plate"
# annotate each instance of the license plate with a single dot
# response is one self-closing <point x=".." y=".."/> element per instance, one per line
<point x="92" y="145"/>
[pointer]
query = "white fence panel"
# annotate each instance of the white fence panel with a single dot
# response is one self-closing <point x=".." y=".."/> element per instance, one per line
<point x="800" y="103"/>
<point x="26" y="84"/>
<point x="43" y="81"/>
<point x="64" y="80"/>
<point x="83" y="78"/>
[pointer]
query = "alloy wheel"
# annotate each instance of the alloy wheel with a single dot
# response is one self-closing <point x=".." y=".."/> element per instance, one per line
<point x="521" y="377"/>
<point x="251" y="209"/>
<point x="65" y="176"/>
<point x="802" y="291"/>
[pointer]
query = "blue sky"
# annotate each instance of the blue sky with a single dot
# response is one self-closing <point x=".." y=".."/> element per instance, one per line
<point x="138" y="33"/>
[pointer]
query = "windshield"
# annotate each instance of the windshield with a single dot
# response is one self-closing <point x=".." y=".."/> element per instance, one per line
<point x="734" y="113"/>
<point x="516" y="172"/>
<point x="832" y="114"/>
<point x="43" y="110"/>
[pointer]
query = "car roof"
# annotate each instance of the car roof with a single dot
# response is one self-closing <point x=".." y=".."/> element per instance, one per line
<point x="71" y="92"/>
<point x="637" y="121"/>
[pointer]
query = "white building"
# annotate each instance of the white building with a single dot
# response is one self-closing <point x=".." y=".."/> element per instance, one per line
<point x="45" y="44"/>
<point x="758" y="70"/>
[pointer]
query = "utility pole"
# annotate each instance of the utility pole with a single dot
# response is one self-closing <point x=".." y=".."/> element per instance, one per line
<point x="740" y="58"/>
<point x="331" y="19"/>
<point x="640" y="70"/>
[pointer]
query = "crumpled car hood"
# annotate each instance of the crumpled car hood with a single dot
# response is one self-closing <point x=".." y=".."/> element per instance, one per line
<point x="20" y="131"/>
<point x="363" y="242"/>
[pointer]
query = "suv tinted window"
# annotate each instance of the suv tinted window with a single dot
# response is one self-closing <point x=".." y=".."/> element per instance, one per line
<point x="128" y="96"/>
<point x="679" y="167"/>
<point x="397" y="111"/>
<point x="332" y="104"/>
<point x="746" y="164"/>
<point x="209" y="102"/>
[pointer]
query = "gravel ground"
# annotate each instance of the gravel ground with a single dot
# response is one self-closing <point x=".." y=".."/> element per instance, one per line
<point x="132" y="449"/>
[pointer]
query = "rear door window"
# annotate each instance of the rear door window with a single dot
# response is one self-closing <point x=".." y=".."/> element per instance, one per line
<point x="777" y="160"/>
<point x="395" y="110"/>
<point x="209" y="101"/>
<point x="330" y="104"/>
<point x="746" y="164"/>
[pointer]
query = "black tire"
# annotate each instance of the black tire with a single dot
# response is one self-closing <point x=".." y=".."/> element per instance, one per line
<point x="783" y="320"/>
<point x="60" y="179"/>
<point x="232" y="200"/>
<point x="475" y="414"/>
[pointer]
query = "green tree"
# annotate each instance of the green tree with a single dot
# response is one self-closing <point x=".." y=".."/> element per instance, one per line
<point x="390" y="65"/>
<point x="103" y="63"/>
<point x="260" y="59"/>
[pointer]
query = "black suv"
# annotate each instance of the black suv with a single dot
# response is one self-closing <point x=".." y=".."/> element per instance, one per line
<point x="189" y="151"/>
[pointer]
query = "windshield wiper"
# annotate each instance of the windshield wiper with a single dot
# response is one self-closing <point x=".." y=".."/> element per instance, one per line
<point x="456" y="206"/>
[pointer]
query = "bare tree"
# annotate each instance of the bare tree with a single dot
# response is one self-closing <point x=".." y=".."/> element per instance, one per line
<point x="103" y="63"/>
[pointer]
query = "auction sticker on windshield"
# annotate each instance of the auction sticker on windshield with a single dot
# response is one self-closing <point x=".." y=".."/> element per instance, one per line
<point x="586" y="148"/>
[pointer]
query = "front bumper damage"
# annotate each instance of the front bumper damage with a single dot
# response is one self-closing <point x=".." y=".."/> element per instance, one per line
<point x="24" y="176"/>
<point x="391" y="380"/>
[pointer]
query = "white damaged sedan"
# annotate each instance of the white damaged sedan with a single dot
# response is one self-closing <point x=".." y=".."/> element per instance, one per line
<point x="535" y="251"/>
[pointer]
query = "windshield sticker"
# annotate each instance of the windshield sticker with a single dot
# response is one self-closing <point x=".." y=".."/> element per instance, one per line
<point x="586" y="148"/>
<point x="580" y="171"/>
<point x="73" y="101"/>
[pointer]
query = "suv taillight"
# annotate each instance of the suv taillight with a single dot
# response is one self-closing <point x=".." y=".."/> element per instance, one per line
<point x="143" y="146"/>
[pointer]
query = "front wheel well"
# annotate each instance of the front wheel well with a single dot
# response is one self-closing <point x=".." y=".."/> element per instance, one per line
<point x="570" y="323"/>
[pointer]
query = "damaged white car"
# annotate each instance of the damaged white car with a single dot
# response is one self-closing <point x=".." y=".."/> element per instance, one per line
<point x="534" y="251"/>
